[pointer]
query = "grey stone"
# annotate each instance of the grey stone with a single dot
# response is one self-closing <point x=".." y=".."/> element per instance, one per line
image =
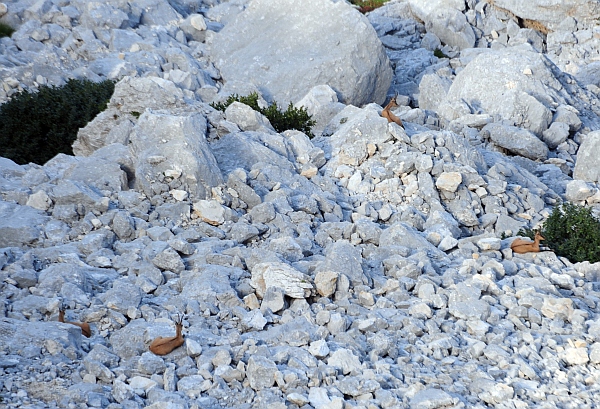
<point x="20" y="225"/>
<point x="162" y="142"/>
<point x="273" y="299"/>
<point x="68" y="192"/>
<point x="358" y="83"/>
<point x="478" y="84"/>
<point x="516" y="140"/>
<point x="451" y="27"/>
<point x="123" y="225"/>
<point x="260" y="372"/>
<point x="169" y="259"/>
<point x="210" y="284"/>
<point x="345" y="360"/>
<point x="343" y="258"/>
<point x="128" y="342"/>
<point x="550" y="14"/>
<point x="431" y="398"/>
<point x="99" y="173"/>
<point x="586" y="166"/>
<point x="356" y="386"/>
<point x="578" y="190"/>
<point x="247" y="118"/>
<point x="122" y="296"/>
<point x="432" y="90"/>
<point x="245" y="192"/>
<point x="194" y="27"/>
<point x="556" y="134"/>
<point x="294" y="283"/>
<point x="322" y="104"/>
<point x="115" y="124"/>
<point x="15" y="335"/>
<point x="149" y="364"/>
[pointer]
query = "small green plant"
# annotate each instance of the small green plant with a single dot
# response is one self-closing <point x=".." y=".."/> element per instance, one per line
<point x="135" y="114"/>
<point x="571" y="231"/>
<point x="365" y="6"/>
<point x="6" y="30"/>
<point x="291" y="118"/>
<point x="439" y="53"/>
<point x="36" y="126"/>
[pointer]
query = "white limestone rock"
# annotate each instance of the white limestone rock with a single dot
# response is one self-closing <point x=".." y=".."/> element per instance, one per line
<point x="294" y="283"/>
<point x="161" y="141"/>
<point x="339" y="36"/>
<point x="586" y="165"/>
<point x="478" y="84"/>
<point x="517" y="140"/>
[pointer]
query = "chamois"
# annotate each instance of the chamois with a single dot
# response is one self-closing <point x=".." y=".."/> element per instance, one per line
<point x="387" y="113"/>
<point x="162" y="346"/>
<point x="524" y="246"/>
<point x="85" y="327"/>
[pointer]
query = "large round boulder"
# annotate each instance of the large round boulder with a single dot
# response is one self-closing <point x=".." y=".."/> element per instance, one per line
<point x="287" y="47"/>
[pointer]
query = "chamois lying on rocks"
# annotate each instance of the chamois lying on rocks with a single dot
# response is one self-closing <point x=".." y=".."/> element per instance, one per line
<point x="386" y="113"/>
<point x="85" y="327"/>
<point x="524" y="246"/>
<point x="162" y="346"/>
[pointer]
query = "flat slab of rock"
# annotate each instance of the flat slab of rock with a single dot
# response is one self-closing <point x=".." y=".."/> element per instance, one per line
<point x="20" y="225"/>
<point x="17" y="335"/>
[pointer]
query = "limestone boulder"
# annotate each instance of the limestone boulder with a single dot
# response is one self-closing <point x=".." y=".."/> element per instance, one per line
<point x="285" y="48"/>
<point x="130" y="98"/>
<point x="517" y="84"/>
<point x="586" y="166"/>
<point x="20" y="225"/>
<point x="294" y="283"/>
<point x="517" y="140"/>
<point x="174" y="146"/>
<point x="549" y="13"/>
<point x="244" y="150"/>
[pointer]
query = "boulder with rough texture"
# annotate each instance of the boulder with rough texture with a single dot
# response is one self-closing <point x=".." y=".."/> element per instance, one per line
<point x="131" y="97"/>
<point x="550" y="13"/>
<point x="517" y="84"/>
<point x="164" y="144"/>
<point x="517" y="140"/>
<point x="586" y="166"/>
<point x="20" y="225"/>
<point x="285" y="48"/>
<point x="452" y="28"/>
<point x="294" y="283"/>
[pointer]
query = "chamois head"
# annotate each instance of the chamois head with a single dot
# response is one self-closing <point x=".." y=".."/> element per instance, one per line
<point x="392" y="103"/>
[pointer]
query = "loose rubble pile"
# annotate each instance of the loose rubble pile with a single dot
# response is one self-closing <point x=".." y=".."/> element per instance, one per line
<point x="368" y="267"/>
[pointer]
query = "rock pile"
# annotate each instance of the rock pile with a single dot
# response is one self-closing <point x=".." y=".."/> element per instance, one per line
<point x="364" y="268"/>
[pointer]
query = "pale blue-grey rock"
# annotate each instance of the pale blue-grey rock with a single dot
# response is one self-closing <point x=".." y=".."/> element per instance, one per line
<point x="167" y="145"/>
<point x="550" y="13"/>
<point x="518" y="84"/>
<point x="517" y="140"/>
<point x="20" y="225"/>
<point x="586" y="165"/>
<point x="340" y="40"/>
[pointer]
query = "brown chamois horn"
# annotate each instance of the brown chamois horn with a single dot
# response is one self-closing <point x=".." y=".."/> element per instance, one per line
<point x="387" y="114"/>
<point x="162" y="346"/>
<point x="524" y="246"/>
<point x="85" y="327"/>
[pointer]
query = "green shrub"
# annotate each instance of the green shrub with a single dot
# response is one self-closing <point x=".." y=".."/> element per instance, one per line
<point x="571" y="231"/>
<point x="365" y="6"/>
<point x="6" y="30"/>
<point x="36" y="126"/>
<point x="292" y="118"/>
<point x="439" y="53"/>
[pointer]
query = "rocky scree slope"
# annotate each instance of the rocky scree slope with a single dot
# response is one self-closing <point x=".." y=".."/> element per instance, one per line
<point x="364" y="268"/>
